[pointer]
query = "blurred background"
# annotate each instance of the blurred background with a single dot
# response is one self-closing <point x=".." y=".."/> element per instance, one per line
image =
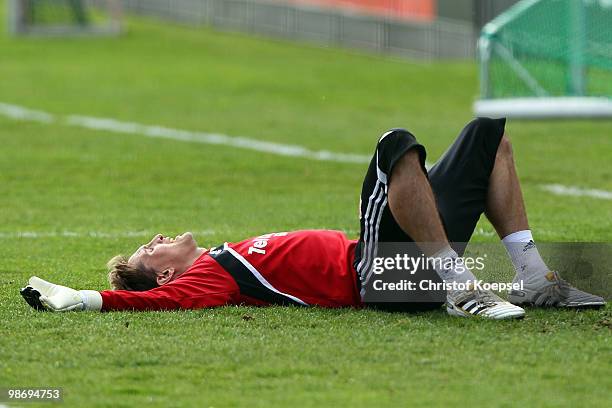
<point x="416" y="28"/>
<point x="531" y="48"/>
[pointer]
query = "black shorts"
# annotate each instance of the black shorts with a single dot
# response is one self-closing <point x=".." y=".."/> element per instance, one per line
<point x="459" y="181"/>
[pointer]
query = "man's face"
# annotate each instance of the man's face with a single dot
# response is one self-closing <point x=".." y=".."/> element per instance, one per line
<point x="163" y="252"/>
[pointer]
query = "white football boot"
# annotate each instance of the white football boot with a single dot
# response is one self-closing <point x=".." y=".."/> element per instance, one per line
<point x="552" y="292"/>
<point x="481" y="303"/>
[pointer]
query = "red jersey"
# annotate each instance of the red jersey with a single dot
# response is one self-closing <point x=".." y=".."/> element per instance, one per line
<point x="305" y="268"/>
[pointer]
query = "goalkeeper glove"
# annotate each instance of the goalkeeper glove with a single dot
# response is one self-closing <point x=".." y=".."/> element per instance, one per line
<point x="43" y="295"/>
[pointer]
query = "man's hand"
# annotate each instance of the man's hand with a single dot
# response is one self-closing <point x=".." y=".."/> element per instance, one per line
<point x="43" y="295"/>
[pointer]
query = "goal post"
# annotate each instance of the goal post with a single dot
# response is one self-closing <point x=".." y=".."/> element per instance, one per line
<point x="547" y="58"/>
<point x="64" y="17"/>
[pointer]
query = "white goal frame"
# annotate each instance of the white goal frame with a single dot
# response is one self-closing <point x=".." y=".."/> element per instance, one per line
<point x="540" y="105"/>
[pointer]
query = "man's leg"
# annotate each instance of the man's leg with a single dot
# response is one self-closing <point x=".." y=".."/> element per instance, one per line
<point x="397" y="168"/>
<point x="505" y="210"/>
<point x="413" y="204"/>
<point x="504" y="206"/>
<point x="378" y="224"/>
<point x="461" y="178"/>
<point x="460" y="182"/>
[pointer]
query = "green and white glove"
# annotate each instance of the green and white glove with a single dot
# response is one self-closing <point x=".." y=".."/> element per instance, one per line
<point x="57" y="298"/>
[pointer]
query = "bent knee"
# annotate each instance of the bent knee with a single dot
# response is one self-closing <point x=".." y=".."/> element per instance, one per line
<point x="399" y="149"/>
<point x="505" y="147"/>
<point x="485" y="127"/>
<point x="411" y="160"/>
<point x="407" y="167"/>
<point x="396" y="135"/>
<point x="485" y="132"/>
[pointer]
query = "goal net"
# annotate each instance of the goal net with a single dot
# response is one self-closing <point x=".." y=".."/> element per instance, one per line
<point x="64" y="17"/>
<point x="547" y="58"/>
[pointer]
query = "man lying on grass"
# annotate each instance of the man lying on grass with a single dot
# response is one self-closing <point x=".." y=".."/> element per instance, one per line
<point x="400" y="202"/>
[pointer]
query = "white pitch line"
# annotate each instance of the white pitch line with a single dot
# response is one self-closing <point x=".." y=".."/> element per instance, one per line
<point x="21" y="113"/>
<point x="113" y="125"/>
<point x="560" y="189"/>
<point x="116" y="126"/>
<point x="85" y="234"/>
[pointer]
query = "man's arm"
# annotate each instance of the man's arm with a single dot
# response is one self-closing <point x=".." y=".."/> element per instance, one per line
<point x="158" y="299"/>
<point x="188" y="293"/>
<point x="43" y="295"/>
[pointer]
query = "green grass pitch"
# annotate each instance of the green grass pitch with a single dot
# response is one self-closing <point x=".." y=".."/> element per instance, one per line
<point x="55" y="178"/>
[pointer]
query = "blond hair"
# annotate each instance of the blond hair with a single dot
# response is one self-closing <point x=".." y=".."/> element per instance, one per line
<point x="123" y="275"/>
